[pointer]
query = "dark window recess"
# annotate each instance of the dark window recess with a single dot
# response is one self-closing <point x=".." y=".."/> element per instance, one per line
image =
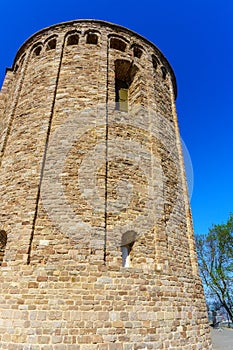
<point x="3" y="241"/>
<point x="20" y="63"/>
<point x="127" y="242"/>
<point x="137" y="52"/>
<point x="22" y="59"/>
<point x="117" y="44"/>
<point x="164" y="72"/>
<point x="51" y="45"/>
<point x="125" y="253"/>
<point x="37" y="51"/>
<point x="125" y="72"/>
<point x="92" y="39"/>
<point x="155" y="62"/>
<point x="73" y="39"/>
<point x="122" y="90"/>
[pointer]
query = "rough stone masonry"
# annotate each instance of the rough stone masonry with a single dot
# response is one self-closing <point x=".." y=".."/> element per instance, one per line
<point x="96" y="239"/>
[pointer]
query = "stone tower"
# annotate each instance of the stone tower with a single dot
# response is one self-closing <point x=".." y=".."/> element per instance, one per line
<point x="97" y="247"/>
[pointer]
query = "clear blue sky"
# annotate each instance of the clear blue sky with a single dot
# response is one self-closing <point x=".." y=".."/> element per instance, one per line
<point x="197" y="38"/>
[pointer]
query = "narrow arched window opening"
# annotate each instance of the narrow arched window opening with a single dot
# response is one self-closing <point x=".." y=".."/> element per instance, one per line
<point x="51" y="45"/>
<point x="37" y="51"/>
<point x="117" y="44"/>
<point x="92" y="39"/>
<point x="137" y="52"/>
<point x="127" y="242"/>
<point x="126" y="256"/>
<point x="72" y="39"/>
<point x="122" y="92"/>
<point x="22" y="59"/>
<point x="3" y="241"/>
<point x="124" y="75"/>
<point x="155" y="62"/>
<point x="164" y="72"/>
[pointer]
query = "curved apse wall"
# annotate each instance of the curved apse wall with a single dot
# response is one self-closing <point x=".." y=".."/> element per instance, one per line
<point x="100" y="251"/>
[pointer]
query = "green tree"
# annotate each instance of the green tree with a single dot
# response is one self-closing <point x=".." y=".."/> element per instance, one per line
<point x="215" y="257"/>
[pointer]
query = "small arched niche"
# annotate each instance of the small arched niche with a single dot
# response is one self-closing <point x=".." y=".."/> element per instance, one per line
<point x="3" y="241"/>
<point x="92" y="38"/>
<point x="118" y="44"/>
<point x="155" y="62"/>
<point x="19" y="63"/>
<point x="137" y="51"/>
<point x="37" y="51"/>
<point x="51" y="44"/>
<point x="16" y="67"/>
<point x="164" y="72"/>
<point x="127" y="242"/>
<point x="72" y="39"/>
<point x="125" y="72"/>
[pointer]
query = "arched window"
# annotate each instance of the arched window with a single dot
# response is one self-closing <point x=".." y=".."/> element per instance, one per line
<point x="127" y="242"/>
<point x="117" y="44"/>
<point x="37" y="51"/>
<point x="137" y="51"/>
<point x="92" y="38"/>
<point x="126" y="259"/>
<point x="3" y="241"/>
<point x="19" y="63"/>
<point x="16" y="67"/>
<point x="155" y="62"/>
<point x="164" y="72"/>
<point x="124" y="74"/>
<point x="122" y="89"/>
<point x="51" y="45"/>
<point x="72" y="39"/>
<point x="22" y="59"/>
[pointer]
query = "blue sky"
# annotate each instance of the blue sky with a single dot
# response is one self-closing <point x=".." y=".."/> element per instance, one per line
<point x="197" y="38"/>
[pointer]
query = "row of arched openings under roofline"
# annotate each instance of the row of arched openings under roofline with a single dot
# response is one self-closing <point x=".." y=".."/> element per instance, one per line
<point x="72" y="38"/>
<point x="119" y="44"/>
<point x="92" y="38"/>
<point x="50" y="45"/>
<point x="156" y="66"/>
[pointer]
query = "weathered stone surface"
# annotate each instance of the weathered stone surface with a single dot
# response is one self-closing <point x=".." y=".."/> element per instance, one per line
<point x="78" y="179"/>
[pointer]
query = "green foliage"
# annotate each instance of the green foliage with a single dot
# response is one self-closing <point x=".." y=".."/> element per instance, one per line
<point x="215" y="257"/>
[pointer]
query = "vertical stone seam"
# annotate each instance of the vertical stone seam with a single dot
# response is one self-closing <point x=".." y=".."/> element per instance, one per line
<point x="14" y="104"/>
<point x="44" y="156"/>
<point x="106" y="160"/>
<point x="162" y="231"/>
<point x="150" y="96"/>
<point x="189" y="223"/>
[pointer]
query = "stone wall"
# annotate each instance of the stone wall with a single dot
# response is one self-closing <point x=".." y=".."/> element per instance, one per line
<point x="79" y="180"/>
<point x="90" y="307"/>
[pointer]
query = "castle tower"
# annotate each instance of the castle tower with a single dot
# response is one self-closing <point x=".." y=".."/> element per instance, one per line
<point x="96" y="238"/>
